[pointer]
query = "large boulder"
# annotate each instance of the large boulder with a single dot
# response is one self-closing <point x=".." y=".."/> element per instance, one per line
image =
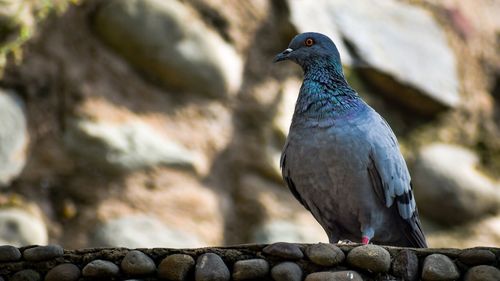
<point x="169" y="43"/>
<point x="448" y="186"/>
<point x="13" y="137"/>
<point x="399" y="47"/>
<point x="125" y="146"/>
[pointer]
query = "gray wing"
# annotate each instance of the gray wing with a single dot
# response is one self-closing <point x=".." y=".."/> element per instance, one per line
<point x="392" y="184"/>
<point x="285" y="172"/>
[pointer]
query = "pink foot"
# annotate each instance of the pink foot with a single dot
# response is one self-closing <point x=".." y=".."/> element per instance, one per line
<point x="365" y="240"/>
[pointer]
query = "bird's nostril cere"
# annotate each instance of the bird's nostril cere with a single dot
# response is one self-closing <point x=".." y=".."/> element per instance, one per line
<point x="283" y="55"/>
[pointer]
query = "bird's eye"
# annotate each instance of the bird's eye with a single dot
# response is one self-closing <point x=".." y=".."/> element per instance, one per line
<point x="309" y="42"/>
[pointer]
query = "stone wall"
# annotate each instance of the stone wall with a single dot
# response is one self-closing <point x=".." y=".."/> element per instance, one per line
<point x="279" y="262"/>
<point x="150" y="123"/>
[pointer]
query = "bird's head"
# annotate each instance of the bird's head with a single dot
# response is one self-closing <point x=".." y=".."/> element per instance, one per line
<point x="310" y="48"/>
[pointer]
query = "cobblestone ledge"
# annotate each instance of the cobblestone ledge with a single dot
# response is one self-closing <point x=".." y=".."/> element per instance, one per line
<point x="279" y="261"/>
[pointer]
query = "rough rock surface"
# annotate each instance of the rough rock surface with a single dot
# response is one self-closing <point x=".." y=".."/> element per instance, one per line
<point x="140" y="231"/>
<point x="325" y="254"/>
<point x="400" y="47"/>
<point x="250" y="269"/>
<point x="63" y="272"/>
<point x="483" y="273"/>
<point x="334" y="276"/>
<point x="370" y="257"/>
<point x="155" y="37"/>
<point x="284" y="250"/>
<point x="286" y="271"/>
<point x="210" y="267"/>
<point x="439" y="267"/>
<point x="136" y="263"/>
<point x="449" y="185"/>
<point x="13" y="136"/>
<point x="176" y="267"/>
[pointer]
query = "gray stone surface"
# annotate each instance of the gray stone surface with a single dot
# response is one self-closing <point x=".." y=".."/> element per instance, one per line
<point x="405" y="265"/>
<point x="210" y="267"/>
<point x="136" y="263"/>
<point x="168" y="42"/>
<point x="250" y="269"/>
<point x="63" y="272"/>
<point x="41" y="253"/>
<point x="476" y="256"/>
<point x="439" y="267"/>
<point x="482" y="273"/>
<point x="125" y="146"/>
<point x="100" y="269"/>
<point x="370" y="257"/>
<point x="26" y="275"/>
<point x="286" y="271"/>
<point x="141" y="231"/>
<point x="325" y="254"/>
<point x="398" y="45"/>
<point x="21" y="228"/>
<point x="9" y="253"/>
<point x="13" y="137"/>
<point x="175" y="267"/>
<point x="345" y="275"/>
<point x="448" y="186"/>
<point x="284" y="250"/>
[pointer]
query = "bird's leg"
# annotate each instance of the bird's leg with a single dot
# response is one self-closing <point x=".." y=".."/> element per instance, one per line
<point x="366" y="235"/>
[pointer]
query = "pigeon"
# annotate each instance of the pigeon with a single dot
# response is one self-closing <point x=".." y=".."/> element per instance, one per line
<point x="341" y="160"/>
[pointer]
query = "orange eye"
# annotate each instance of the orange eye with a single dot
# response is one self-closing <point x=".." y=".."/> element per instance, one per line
<point x="309" y="42"/>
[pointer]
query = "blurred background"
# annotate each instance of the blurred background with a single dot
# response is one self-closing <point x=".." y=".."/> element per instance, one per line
<point x="152" y="123"/>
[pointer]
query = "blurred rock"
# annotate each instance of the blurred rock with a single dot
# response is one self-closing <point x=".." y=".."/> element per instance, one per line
<point x="482" y="273"/>
<point x="401" y="48"/>
<point x="168" y="42"/>
<point x="449" y="188"/>
<point x="125" y="146"/>
<point x="141" y="231"/>
<point x="13" y="137"/>
<point x="279" y="218"/>
<point x="20" y="228"/>
<point x="286" y="106"/>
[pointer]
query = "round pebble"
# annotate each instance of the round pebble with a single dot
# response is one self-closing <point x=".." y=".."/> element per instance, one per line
<point x="41" y="253"/>
<point x="250" y="269"/>
<point x="286" y="271"/>
<point x="63" y="272"/>
<point x="405" y="265"/>
<point x="210" y="267"/>
<point x="175" y="267"/>
<point x="370" y="257"/>
<point x="439" y="267"/>
<point x="100" y="269"/>
<point x="25" y="275"/>
<point x="284" y="250"/>
<point x="476" y="256"/>
<point x="482" y="273"/>
<point x="325" y="254"/>
<point x="137" y="263"/>
<point x="9" y="253"/>
<point x="347" y="275"/>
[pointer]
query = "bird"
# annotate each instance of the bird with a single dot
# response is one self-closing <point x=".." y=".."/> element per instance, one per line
<point x="341" y="160"/>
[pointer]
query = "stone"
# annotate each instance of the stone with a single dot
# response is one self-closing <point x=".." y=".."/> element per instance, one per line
<point x="289" y="231"/>
<point x="253" y="269"/>
<point x="439" y="267"/>
<point x="286" y="271"/>
<point x="390" y="38"/>
<point x="175" y="267"/>
<point x="405" y="265"/>
<point x="21" y="228"/>
<point x="347" y="275"/>
<point x="13" y="137"/>
<point x="100" y="269"/>
<point x="63" y="272"/>
<point x="476" y="256"/>
<point x="137" y="263"/>
<point x="284" y="250"/>
<point x="171" y="45"/>
<point x="141" y="231"/>
<point x="9" y="253"/>
<point x="210" y="267"/>
<point x="26" y="275"/>
<point x="42" y="253"/>
<point x="325" y="254"/>
<point x="125" y="146"/>
<point x="482" y="273"/>
<point x="448" y="186"/>
<point x="370" y="257"/>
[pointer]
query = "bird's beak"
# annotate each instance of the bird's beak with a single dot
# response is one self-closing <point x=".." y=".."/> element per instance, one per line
<point x="283" y="55"/>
